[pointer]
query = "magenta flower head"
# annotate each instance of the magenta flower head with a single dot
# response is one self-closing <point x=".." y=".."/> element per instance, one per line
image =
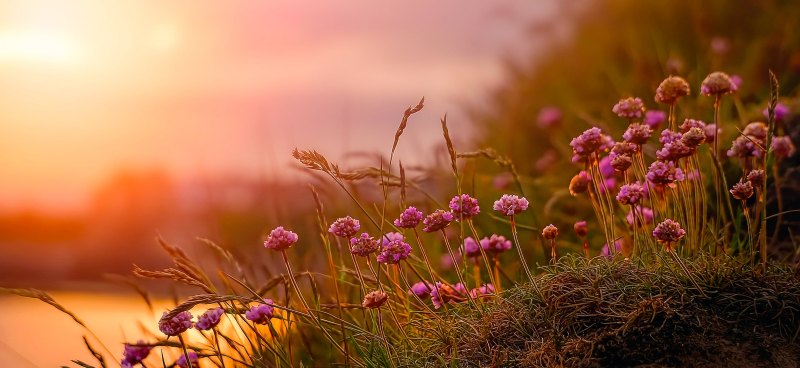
<point x="637" y="133"/>
<point x="345" y="227"/>
<point x="262" y="313"/>
<point x="409" y="218"/>
<point x="549" y="117"/>
<point x="711" y="131"/>
<point x="443" y="293"/>
<point x="671" y="89"/>
<point x="510" y="205"/>
<point x="691" y="123"/>
<point x="668" y="231"/>
<point x="781" y="112"/>
<point x="716" y="84"/>
<point x="668" y="136"/>
<point x="629" y="108"/>
<point x="437" y="220"/>
<point x="745" y="147"/>
<point x="782" y="147"/>
<point x="664" y="173"/>
<point x="621" y="163"/>
<point x="605" y="167"/>
<point x="756" y="129"/>
<point x="464" y="207"/>
<point x="209" y="319"/>
<point x="606" y="252"/>
<point x="135" y="353"/>
<point x="495" y="244"/>
<point x="654" y="118"/>
<point x="176" y="325"/>
<point x="736" y="82"/>
<point x="742" y="190"/>
<point x="550" y="232"/>
<point x="630" y="194"/>
<point x="387" y="238"/>
<point x="471" y="247"/>
<point x="280" y="239"/>
<point x="590" y="142"/>
<point x="482" y="291"/>
<point x="579" y="183"/>
<point x="394" y="250"/>
<point x="756" y="177"/>
<point x="421" y="289"/>
<point x="643" y="214"/>
<point x="693" y="137"/>
<point x="624" y="148"/>
<point x="375" y="299"/>
<point x="363" y="245"/>
<point x="581" y="228"/>
<point x="675" y="150"/>
<point x="181" y="362"/>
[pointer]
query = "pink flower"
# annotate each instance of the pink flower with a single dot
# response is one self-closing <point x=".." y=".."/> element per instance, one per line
<point x="394" y="250"/>
<point x="176" y="325"/>
<point x="550" y="232"/>
<point x="262" y="313"/>
<point x="495" y="244"/>
<point x="375" y="299"/>
<point x="464" y="207"/>
<point x="782" y="146"/>
<point x="471" y="248"/>
<point x="510" y="205"/>
<point x="443" y="293"/>
<point x="421" y="289"/>
<point x="345" y="227"/>
<point x="630" y="194"/>
<point x="437" y="220"/>
<point x="581" y="228"/>
<point x="629" y="108"/>
<point x="363" y="245"/>
<point x="654" y="118"/>
<point x="642" y="213"/>
<point x="280" y="239"/>
<point x="487" y="289"/>
<point x="668" y="231"/>
<point x="590" y="142"/>
<point x="549" y="117"/>
<point x="409" y="219"/>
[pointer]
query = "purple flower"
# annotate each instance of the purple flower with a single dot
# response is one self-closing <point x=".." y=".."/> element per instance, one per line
<point x="510" y="205"/>
<point x="471" y="248"/>
<point x="716" y="84"/>
<point x="756" y="177"/>
<point x="671" y="89"/>
<point x="374" y="299"/>
<point x="621" y="163"/>
<point x="280" y="239"/>
<point x="495" y="244"/>
<point x="549" y="117"/>
<point x="261" y="313"/>
<point x="654" y="118"/>
<point x="693" y="138"/>
<point x="711" y="131"/>
<point x="437" y="220"/>
<point x="673" y="151"/>
<point x="736" y="82"/>
<point x="443" y="293"/>
<point x="421" y="289"/>
<point x="181" y="362"/>
<point x="579" y="183"/>
<point x="581" y="228"/>
<point x="464" y="207"/>
<point x="624" y="148"/>
<point x="668" y="231"/>
<point x="176" y="325"/>
<point x="590" y="142"/>
<point x="550" y="232"/>
<point x="691" y="123"/>
<point x="209" y="319"/>
<point x="135" y="353"/>
<point x="668" y="136"/>
<point x="606" y="252"/>
<point x="630" y="194"/>
<point x="781" y="112"/>
<point x="782" y="146"/>
<point x="345" y="227"/>
<point x="629" y="108"/>
<point x="605" y="167"/>
<point x="642" y="213"/>
<point x="664" y="173"/>
<point x="756" y="129"/>
<point x="394" y="249"/>
<point x="363" y="245"/>
<point x="745" y="146"/>
<point x="637" y="133"/>
<point x="409" y="218"/>
<point x="487" y="289"/>
<point x="387" y="238"/>
<point x="742" y="190"/>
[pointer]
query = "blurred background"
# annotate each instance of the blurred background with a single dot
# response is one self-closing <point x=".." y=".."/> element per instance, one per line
<point x="121" y="121"/>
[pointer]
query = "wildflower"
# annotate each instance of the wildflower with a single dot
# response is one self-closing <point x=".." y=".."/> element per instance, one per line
<point x="209" y="319"/>
<point x="637" y="133"/>
<point x="664" y="173"/>
<point x="261" y="313"/>
<point x="495" y="244"/>
<point x="671" y="89"/>
<point x="437" y="220"/>
<point x="630" y="194"/>
<point x="756" y="178"/>
<point x="609" y="183"/>
<point x="363" y="245"/>
<point x="693" y="137"/>
<point x="691" y="123"/>
<point x="644" y="217"/>
<point x="176" y="325"/>
<point x="711" y="131"/>
<point x="477" y="292"/>
<point x="654" y="118"/>
<point x="756" y="129"/>
<point x="345" y="227"/>
<point x="716" y="84"/>
<point x="135" y="354"/>
<point x="510" y="205"/>
<point x="606" y="252"/>
<point x="374" y="299"/>
<point x="590" y="142"/>
<point x="782" y="147"/>
<point x="443" y="293"/>
<point x="471" y="247"/>
<point x="421" y="289"/>
<point x="745" y="147"/>
<point x="668" y="136"/>
<point x="736" y="82"/>
<point x="546" y="160"/>
<point x="446" y="262"/>
<point x="581" y="228"/>
<point x="629" y="108"/>
<point x="781" y="112"/>
<point x="549" y="117"/>
<point x="464" y="207"/>
<point x="394" y="250"/>
<point x="624" y="148"/>
<point x="409" y="218"/>
<point x="668" y="231"/>
<point x="673" y="151"/>
<point x="550" y="232"/>
<point x="605" y="167"/>
<point x="193" y="359"/>
<point x="387" y="238"/>
<point x="579" y="183"/>
<point x="742" y="190"/>
<point x="621" y="162"/>
<point x="280" y="239"/>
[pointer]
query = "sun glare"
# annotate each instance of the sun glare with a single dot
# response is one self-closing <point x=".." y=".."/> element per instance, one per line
<point x="31" y="47"/>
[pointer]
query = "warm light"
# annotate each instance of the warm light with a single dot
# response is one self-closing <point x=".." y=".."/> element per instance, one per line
<point x="39" y="48"/>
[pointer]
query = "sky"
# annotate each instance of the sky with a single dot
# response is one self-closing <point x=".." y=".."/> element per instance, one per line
<point x="196" y="88"/>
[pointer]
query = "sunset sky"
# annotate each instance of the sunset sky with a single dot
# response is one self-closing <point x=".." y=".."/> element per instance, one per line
<point x="90" y="88"/>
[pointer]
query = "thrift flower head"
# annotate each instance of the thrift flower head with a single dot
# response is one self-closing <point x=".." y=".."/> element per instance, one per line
<point x="135" y="354"/>
<point x="590" y="142"/>
<point x="756" y="129"/>
<point x="495" y="244"/>
<point x="668" y="136"/>
<point x="624" y="148"/>
<point x="374" y="299"/>
<point x="621" y="163"/>
<point x="694" y="137"/>
<point x="437" y="220"/>
<point x="390" y="237"/>
<point x="671" y="89"/>
<point x="630" y="194"/>
<point x="664" y="173"/>
<point x="668" y="231"/>
<point x="484" y="290"/>
<point x="581" y="228"/>
<point x="736" y="82"/>
<point x="176" y="325"/>
<point x="742" y="190"/>
<point x="644" y="216"/>
<point x="464" y="207"/>
<point x="421" y="289"/>
<point x="654" y="118"/>
<point x="637" y="133"/>
<point x="550" y="232"/>
<point x="629" y="108"/>
<point x="443" y="293"/>
<point x="409" y="218"/>
<point x="756" y="177"/>
<point x="345" y="227"/>
<point x="691" y="123"/>
<point x="261" y="313"/>
<point x="781" y="112"/>
<point x="606" y="252"/>
<point x="711" y="131"/>
<point x="745" y="147"/>
<point x="510" y="205"/>
<point x="782" y="146"/>
<point x="673" y="151"/>
<point x="471" y="248"/>
<point x="393" y="251"/>
<point x="363" y="245"/>
<point x="181" y="362"/>
<point x="549" y="117"/>
<point x="579" y="183"/>
<point x="605" y="167"/>
<point x="716" y="84"/>
<point x="209" y="319"/>
<point x="280" y="239"/>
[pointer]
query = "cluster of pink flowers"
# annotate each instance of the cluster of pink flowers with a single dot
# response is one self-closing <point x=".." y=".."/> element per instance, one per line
<point x="176" y="325"/>
<point x="363" y="245"/>
<point x="437" y="220"/>
<point x="345" y="227"/>
<point x="629" y="108"/>
<point x="280" y="239"/>
<point x="261" y="313"/>
<point x="409" y="218"/>
<point x="590" y="143"/>
<point x="464" y="207"/>
<point x="134" y="354"/>
<point x="444" y="293"/>
<point x="209" y="319"/>
<point x="510" y="205"/>
<point x="394" y="249"/>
